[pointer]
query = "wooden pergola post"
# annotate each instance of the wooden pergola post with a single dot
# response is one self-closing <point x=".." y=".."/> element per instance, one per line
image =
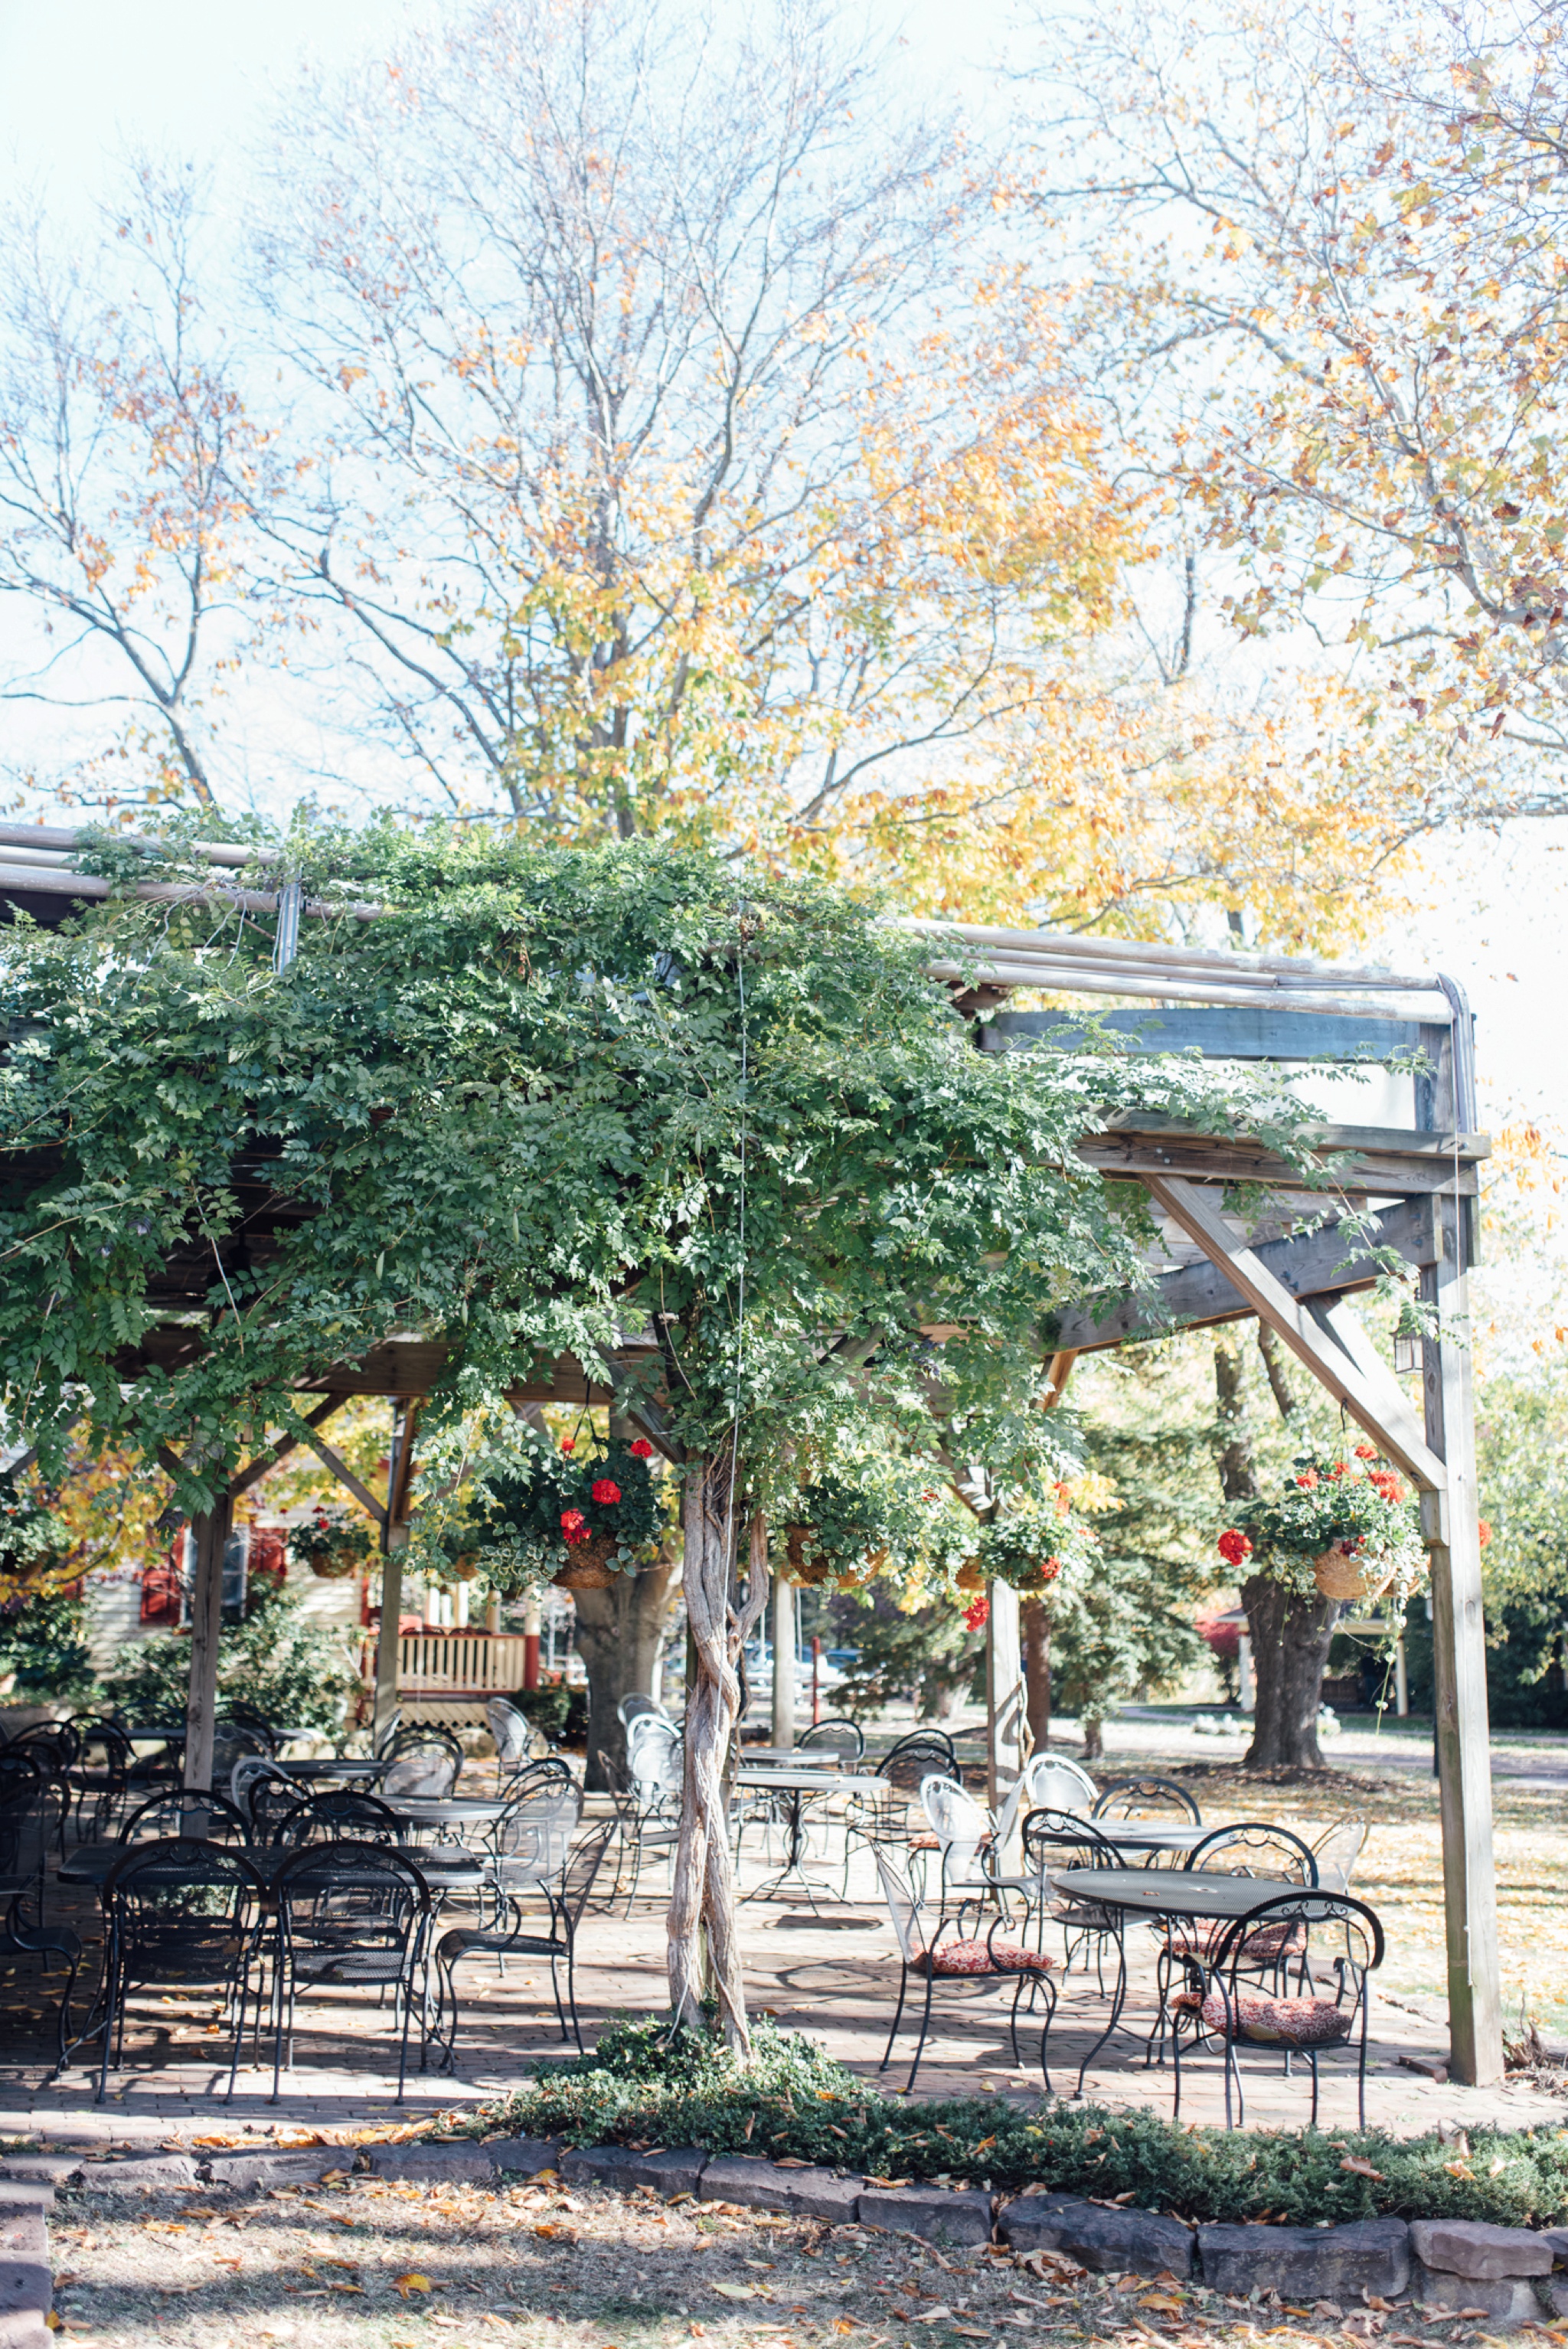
<point x="1004" y="1703"/>
<point x="1451" y="1522"/>
<point x="210" y="1534"/>
<point x="783" y="1663"/>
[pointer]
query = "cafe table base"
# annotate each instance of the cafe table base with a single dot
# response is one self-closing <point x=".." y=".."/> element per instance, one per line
<point x="1161" y="1897"/>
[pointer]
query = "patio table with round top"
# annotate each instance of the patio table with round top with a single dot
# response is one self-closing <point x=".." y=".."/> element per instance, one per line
<point x="1161" y="1895"/>
<point x="797" y="1786"/>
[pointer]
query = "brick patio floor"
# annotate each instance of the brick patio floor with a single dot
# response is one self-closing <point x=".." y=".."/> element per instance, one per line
<point x="832" y="1974"/>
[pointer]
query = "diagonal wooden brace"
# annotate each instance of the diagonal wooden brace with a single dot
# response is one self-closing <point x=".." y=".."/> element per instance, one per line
<point x="346" y="1477"/>
<point x="1374" y="1403"/>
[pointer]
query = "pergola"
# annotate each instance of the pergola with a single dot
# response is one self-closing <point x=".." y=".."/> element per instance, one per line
<point x="1417" y="1180"/>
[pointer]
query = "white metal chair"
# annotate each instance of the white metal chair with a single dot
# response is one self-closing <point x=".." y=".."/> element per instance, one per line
<point x="1336" y="1852"/>
<point x="1054" y="1784"/>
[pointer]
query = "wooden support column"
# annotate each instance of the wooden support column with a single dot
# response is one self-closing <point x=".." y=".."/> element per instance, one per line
<point x="211" y="1533"/>
<point x="1437" y="1454"/>
<point x="1451" y="1524"/>
<point x="393" y="1534"/>
<point x="783" y="1663"/>
<point x="1003" y="1692"/>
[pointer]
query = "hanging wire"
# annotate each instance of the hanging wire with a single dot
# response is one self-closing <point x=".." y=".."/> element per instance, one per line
<point x="740" y="1281"/>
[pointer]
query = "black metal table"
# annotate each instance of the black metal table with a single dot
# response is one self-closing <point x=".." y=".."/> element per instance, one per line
<point x="1161" y="1895"/>
<point x="446" y="1867"/>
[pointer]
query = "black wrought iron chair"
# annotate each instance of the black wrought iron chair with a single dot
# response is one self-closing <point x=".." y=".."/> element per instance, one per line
<point x="340" y="1812"/>
<point x="355" y="1915"/>
<point x="1338" y="1935"/>
<point x="21" y="1772"/>
<point x="509" y="1937"/>
<point x="1252" y="1847"/>
<point x="28" y="1828"/>
<point x="101" y="1774"/>
<point x="168" y="1813"/>
<point x="264" y="1790"/>
<point x="840" y="1737"/>
<point x="177" y="1911"/>
<point x="1146" y="1798"/>
<point x="933" y="1957"/>
<point x="883" y="1819"/>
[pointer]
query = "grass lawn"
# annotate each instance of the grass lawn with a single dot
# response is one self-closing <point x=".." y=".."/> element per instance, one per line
<point x="370" y="2265"/>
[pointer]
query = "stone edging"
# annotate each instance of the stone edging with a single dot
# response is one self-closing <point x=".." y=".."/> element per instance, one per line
<point x="1444" y="2263"/>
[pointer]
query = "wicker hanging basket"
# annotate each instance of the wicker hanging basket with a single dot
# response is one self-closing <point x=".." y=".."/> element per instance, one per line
<point x="810" y="1576"/>
<point x="589" y="1568"/>
<point x="820" y="1573"/>
<point x="1339" y="1575"/>
<point x="335" y="1566"/>
<point x="971" y="1575"/>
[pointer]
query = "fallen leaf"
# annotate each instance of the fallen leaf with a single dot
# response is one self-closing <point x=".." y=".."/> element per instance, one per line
<point x="935" y="2316"/>
<point x="1358" y="2168"/>
<point x="408" y="2284"/>
<point x="738" y="2291"/>
<point x="842" y="2324"/>
<point x="1163" y="2301"/>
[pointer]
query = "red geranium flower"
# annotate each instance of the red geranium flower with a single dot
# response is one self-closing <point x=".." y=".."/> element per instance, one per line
<point x="1384" y="1481"/>
<point x="1307" y="1480"/>
<point x="1484" y="1530"/>
<point x="642" y="1449"/>
<point x="977" y="1614"/>
<point x="574" y="1525"/>
<point x="568" y="1443"/>
<point x="1051" y="1569"/>
<point x="1340" y="1470"/>
<point x="606" y="1491"/>
<point x="1365" y="1452"/>
<point x="1234" y="1546"/>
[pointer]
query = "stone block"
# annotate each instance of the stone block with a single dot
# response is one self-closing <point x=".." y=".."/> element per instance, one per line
<point x="1109" y="2241"/>
<point x="142" y="2169"/>
<point x="939" y="2213"/>
<point x="25" y="2287"/>
<point x="451" y="2165"/>
<point x="677" y="2170"/>
<point x="1470" y="2247"/>
<point x="806" y="2193"/>
<point x="1507" y="2300"/>
<point x="18" y="2194"/>
<point x="54" y="2167"/>
<point x="1309" y="2262"/>
<point x="302" y="2166"/>
<point x="525" y="2156"/>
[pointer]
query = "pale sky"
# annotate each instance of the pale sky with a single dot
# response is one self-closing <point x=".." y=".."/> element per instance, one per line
<point x="81" y="79"/>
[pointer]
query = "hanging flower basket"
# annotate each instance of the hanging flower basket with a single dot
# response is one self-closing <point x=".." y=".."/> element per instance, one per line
<point x="333" y="1565"/>
<point x="1343" y="1529"/>
<point x="589" y="1566"/>
<point x="332" y="1548"/>
<point x="1341" y="1573"/>
<point x="971" y="1575"/>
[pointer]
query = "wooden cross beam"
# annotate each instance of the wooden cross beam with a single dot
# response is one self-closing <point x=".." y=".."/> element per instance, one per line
<point x="347" y="1479"/>
<point x="1308" y="1264"/>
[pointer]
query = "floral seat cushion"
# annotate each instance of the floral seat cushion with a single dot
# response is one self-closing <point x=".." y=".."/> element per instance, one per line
<point x="1272" y="2022"/>
<point x="975" y="1958"/>
<point x="1268" y="1947"/>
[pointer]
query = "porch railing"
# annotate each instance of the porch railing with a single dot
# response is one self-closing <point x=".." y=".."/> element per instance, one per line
<point x="454" y="1664"/>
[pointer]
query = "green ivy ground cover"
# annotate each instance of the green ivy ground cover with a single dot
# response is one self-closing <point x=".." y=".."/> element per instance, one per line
<point x="644" y="2085"/>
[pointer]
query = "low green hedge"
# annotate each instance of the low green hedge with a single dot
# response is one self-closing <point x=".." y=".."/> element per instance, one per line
<point x="646" y="2085"/>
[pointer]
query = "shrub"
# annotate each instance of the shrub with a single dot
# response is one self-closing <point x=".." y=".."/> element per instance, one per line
<point x="651" y="2083"/>
<point x="277" y="1662"/>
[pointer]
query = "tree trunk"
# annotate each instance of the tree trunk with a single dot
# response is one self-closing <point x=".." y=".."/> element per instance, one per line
<point x="703" y="1887"/>
<point x="1036" y="1626"/>
<point x="1237" y="1481"/>
<point x="1290" y="1652"/>
<point x="1093" y="1739"/>
<point x="618" y="1641"/>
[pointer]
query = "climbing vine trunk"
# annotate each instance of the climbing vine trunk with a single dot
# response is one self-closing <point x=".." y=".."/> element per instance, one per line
<point x="701" y="1897"/>
<point x="1289" y="1638"/>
